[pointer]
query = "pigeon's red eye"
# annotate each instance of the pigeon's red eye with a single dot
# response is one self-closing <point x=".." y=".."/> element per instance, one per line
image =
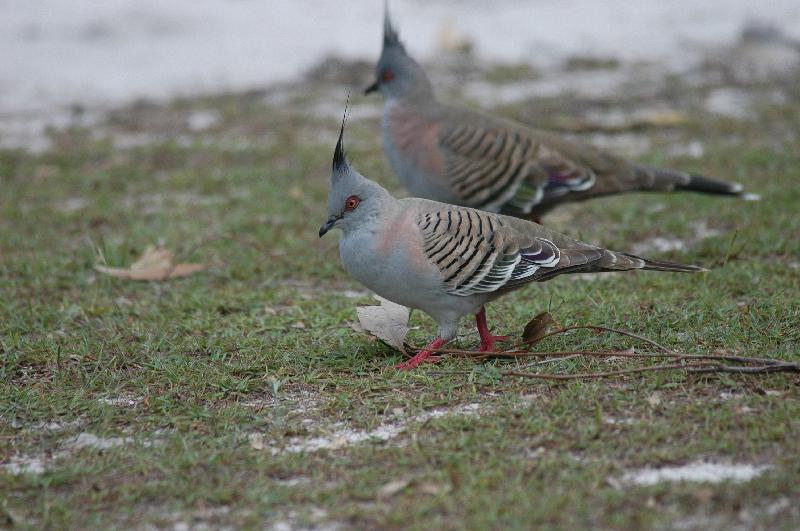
<point x="351" y="203"/>
<point x="387" y="75"/>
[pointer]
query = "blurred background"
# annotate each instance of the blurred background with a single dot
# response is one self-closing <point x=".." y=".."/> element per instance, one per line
<point x="55" y="55"/>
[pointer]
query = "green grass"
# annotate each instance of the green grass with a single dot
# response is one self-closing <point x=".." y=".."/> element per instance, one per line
<point x="260" y="344"/>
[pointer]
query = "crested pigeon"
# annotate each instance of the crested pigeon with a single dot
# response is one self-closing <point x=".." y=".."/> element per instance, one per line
<point x="450" y="261"/>
<point x="461" y="156"/>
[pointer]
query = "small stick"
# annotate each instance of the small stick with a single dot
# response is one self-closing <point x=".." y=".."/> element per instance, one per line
<point x="785" y="367"/>
<point x="605" y="329"/>
<point x="596" y="375"/>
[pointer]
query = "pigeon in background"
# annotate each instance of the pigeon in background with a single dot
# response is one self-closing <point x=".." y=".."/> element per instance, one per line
<point x="450" y="261"/>
<point x="461" y="156"/>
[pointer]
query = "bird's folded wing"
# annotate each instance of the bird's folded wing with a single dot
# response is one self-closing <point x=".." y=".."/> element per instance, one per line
<point x="477" y="252"/>
<point x="492" y="164"/>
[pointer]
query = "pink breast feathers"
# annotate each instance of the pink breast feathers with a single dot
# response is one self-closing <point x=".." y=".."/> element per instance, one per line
<point x="400" y="234"/>
<point x="417" y="138"/>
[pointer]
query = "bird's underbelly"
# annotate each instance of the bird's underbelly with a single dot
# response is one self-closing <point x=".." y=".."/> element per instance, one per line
<point x="397" y="277"/>
<point x="388" y="276"/>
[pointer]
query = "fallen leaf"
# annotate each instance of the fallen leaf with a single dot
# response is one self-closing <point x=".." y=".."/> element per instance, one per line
<point x="388" y="322"/>
<point x="393" y="487"/>
<point x="154" y="264"/>
<point x="536" y="329"/>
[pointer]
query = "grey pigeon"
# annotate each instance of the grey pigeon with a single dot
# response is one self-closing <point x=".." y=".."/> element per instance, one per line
<point x="461" y="156"/>
<point x="447" y="260"/>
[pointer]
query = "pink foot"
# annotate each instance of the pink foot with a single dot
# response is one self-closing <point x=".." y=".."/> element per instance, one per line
<point x="424" y="355"/>
<point x="487" y="339"/>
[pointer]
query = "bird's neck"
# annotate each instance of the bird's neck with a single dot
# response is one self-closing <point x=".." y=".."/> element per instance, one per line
<point x="419" y="94"/>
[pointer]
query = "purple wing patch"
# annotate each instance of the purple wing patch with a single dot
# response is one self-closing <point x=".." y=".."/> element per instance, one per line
<point x="562" y="181"/>
<point x="543" y="254"/>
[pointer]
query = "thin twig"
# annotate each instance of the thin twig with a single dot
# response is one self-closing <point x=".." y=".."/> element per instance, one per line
<point x="609" y="353"/>
<point x="554" y="360"/>
<point x="704" y="363"/>
<point x="609" y="374"/>
<point x="602" y="329"/>
<point x="784" y="367"/>
<point x="551" y="360"/>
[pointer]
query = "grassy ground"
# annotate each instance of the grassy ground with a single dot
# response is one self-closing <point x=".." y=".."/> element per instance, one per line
<point x="242" y="397"/>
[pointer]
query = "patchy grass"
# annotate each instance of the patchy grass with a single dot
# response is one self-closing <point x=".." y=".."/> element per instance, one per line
<point x="240" y="396"/>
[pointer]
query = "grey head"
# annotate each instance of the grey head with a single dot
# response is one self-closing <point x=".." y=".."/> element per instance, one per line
<point x="353" y="200"/>
<point x="397" y="75"/>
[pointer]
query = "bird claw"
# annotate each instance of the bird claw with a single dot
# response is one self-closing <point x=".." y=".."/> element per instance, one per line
<point x="423" y="355"/>
<point x="417" y="360"/>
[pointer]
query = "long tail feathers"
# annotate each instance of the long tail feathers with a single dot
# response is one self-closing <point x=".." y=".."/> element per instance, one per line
<point x="616" y="261"/>
<point x="707" y="185"/>
<point x="611" y="261"/>
<point x="659" y="179"/>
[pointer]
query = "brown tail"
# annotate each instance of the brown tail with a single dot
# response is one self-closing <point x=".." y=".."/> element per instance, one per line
<point x="671" y="180"/>
<point x="588" y="261"/>
<point x="617" y="261"/>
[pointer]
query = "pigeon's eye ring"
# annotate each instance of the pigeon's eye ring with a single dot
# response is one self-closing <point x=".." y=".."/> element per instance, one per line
<point x="387" y="75"/>
<point x="351" y="203"/>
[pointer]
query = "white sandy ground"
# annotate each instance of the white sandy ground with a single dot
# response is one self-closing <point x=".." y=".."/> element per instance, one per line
<point x="37" y="464"/>
<point x="338" y="435"/>
<point x="663" y="244"/>
<point x="121" y="401"/>
<point x="341" y="435"/>
<point x="698" y="471"/>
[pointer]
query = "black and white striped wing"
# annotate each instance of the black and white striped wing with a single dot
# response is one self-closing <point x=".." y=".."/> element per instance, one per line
<point x="472" y="254"/>
<point x="490" y="167"/>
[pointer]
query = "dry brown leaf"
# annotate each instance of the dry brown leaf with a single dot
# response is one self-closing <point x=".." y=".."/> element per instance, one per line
<point x="154" y="264"/>
<point x="536" y="329"/>
<point x="388" y="322"/>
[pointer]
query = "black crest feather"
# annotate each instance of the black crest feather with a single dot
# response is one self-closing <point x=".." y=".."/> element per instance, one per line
<point x="390" y="35"/>
<point x="339" y="160"/>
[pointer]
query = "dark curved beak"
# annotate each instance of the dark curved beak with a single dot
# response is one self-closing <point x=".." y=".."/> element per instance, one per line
<point x="328" y="225"/>
<point x="372" y="88"/>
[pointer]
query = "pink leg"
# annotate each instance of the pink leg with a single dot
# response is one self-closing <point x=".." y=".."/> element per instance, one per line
<point x="487" y="339"/>
<point x="422" y="355"/>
